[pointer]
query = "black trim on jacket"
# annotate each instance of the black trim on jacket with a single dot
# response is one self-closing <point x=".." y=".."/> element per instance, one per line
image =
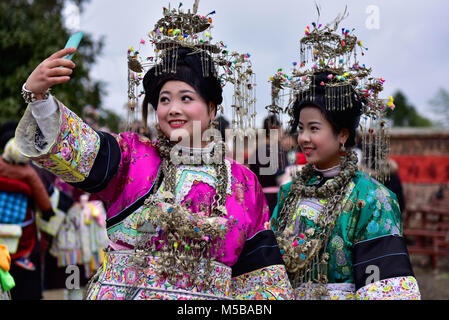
<point x="380" y="258"/>
<point x="105" y="165"/>
<point x="261" y="251"/>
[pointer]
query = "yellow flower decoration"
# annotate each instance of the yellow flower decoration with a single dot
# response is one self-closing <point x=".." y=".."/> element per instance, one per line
<point x="373" y="288"/>
<point x="405" y="285"/>
<point x="73" y="127"/>
<point x="387" y="289"/>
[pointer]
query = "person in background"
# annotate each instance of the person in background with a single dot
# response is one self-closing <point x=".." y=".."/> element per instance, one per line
<point x="268" y="166"/>
<point x="394" y="183"/>
<point x="293" y="170"/>
<point x="26" y="263"/>
<point x="257" y="164"/>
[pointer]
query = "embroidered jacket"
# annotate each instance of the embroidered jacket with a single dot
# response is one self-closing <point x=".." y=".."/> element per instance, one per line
<point x="368" y="255"/>
<point x="122" y="170"/>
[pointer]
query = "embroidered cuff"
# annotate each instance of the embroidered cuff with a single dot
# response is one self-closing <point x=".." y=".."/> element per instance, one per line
<point x="70" y="149"/>
<point x="270" y="283"/>
<point x="336" y="291"/>
<point x="399" y="288"/>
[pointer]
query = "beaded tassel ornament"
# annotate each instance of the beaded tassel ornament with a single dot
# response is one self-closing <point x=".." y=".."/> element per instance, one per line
<point x="374" y="131"/>
<point x="244" y="98"/>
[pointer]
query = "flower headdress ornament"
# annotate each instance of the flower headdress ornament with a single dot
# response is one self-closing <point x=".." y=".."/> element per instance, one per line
<point x="326" y="49"/>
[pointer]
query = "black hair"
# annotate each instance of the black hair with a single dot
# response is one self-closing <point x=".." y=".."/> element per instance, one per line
<point x="189" y="68"/>
<point x="271" y="122"/>
<point x="348" y="117"/>
<point x="222" y="125"/>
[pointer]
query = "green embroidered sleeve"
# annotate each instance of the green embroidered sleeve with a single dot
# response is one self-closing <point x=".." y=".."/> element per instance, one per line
<point x="284" y="190"/>
<point x="379" y="211"/>
<point x="370" y="211"/>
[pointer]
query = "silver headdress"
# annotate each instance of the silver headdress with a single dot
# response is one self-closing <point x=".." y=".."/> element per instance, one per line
<point x="333" y="52"/>
<point x="178" y="29"/>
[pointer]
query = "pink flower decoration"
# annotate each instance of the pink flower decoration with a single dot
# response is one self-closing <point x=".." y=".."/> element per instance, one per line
<point x="65" y="153"/>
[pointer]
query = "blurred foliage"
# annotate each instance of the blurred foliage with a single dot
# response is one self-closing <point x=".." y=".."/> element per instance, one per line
<point x="405" y="114"/>
<point x="440" y="107"/>
<point x="30" y="31"/>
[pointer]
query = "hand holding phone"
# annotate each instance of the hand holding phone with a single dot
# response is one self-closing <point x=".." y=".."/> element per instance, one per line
<point x="73" y="42"/>
<point x="54" y="70"/>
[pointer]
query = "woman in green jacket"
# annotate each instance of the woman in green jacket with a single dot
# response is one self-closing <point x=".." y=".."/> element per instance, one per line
<point x="339" y="230"/>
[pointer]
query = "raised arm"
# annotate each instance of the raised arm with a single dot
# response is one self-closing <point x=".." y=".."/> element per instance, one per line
<point x="56" y="139"/>
<point x="52" y="71"/>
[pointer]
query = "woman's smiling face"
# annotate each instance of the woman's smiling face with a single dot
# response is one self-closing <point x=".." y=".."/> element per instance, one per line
<point x="317" y="139"/>
<point x="183" y="113"/>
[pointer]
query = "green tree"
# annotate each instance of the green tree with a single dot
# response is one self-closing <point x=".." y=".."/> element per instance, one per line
<point x="405" y="114"/>
<point x="30" y="31"/>
<point x="110" y="119"/>
<point x="440" y="107"/>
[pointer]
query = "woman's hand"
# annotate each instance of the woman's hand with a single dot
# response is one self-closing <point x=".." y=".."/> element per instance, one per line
<point x="51" y="71"/>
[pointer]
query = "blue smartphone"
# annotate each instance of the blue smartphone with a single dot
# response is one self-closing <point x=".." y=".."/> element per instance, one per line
<point x="74" y="42"/>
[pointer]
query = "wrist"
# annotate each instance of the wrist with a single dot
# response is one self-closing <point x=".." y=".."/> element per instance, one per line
<point x="30" y="96"/>
<point x="38" y="96"/>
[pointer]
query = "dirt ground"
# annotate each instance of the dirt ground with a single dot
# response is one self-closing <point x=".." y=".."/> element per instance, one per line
<point x="433" y="284"/>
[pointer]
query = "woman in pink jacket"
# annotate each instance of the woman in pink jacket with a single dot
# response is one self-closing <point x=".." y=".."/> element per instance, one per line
<point x="184" y="221"/>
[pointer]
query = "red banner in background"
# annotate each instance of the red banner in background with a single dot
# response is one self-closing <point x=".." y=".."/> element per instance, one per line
<point x="423" y="169"/>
